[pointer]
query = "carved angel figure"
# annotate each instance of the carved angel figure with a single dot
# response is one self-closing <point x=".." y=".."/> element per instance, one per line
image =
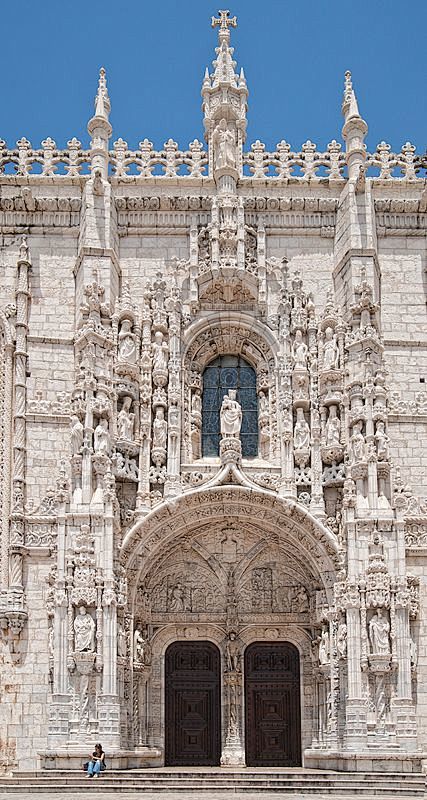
<point x="84" y="632"/>
<point x="230" y="415"/>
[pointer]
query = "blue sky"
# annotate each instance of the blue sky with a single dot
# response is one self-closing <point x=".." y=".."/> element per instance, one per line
<point x="294" y="56"/>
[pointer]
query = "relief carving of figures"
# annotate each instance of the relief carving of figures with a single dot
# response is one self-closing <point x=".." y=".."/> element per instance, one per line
<point x="125" y="420"/>
<point x="176" y="598"/>
<point x="358" y="444"/>
<point x="301" y="432"/>
<point x="300" y="602"/>
<point x="299" y="351"/>
<point x="84" y="632"/>
<point x="333" y="427"/>
<point x="127" y="344"/>
<point x="77" y="432"/>
<point x="382" y="442"/>
<point x="102" y="438"/>
<point x="224" y="142"/>
<point x="379" y="629"/>
<point x="324" y="648"/>
<point x="330" y="350"/>
<point x="230" y="415"/>
<point x="233" y="654"/>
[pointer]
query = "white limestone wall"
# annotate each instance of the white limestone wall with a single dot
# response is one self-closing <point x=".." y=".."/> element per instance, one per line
<point x="142" y="256"/>
<point x="311" y="255"/>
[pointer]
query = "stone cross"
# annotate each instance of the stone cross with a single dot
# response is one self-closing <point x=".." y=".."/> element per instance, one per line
<point x="224" y="21"/>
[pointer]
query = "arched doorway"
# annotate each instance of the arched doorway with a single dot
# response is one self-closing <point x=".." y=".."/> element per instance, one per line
<point x="192" y="704"/>
<point x="272" y="705"/>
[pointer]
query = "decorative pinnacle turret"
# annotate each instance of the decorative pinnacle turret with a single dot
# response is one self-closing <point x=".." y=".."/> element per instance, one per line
<point x="350" y="107"/>
<point x="102" y="100"/>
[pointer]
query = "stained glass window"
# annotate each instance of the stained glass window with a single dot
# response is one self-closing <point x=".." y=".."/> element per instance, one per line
<point x="229" y="372"/>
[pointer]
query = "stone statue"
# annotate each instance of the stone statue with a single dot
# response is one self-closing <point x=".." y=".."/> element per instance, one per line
<point x="382" y="442"/>
<point x="300" y="602"/>
<point x="330" y="350"/>
<point x="196" y="403"/>
<point x="125" y="420"/>
<point x="121" y="642"/>
<point x="230" y="415"/>
<point x="342" y="640"/>
<point x="224" y="142"/>
<point x="263" y="404"/>
<point x="333" y="428"/>
<point x="84" y="632"/>
<point x="324" y="654"/>
<point x="299" y="351"/>
<point x="127" y="346"/>
<point x="358" y="444"/>
<point x="301" y="431"/>
<point x="77" y="432"/>
<point x="160" y="428"/>
<point x="160" y="353"/>
<point x="141" y="648"/>
<point x="379" y="628"/>
<point x="102" y="438"/>
<point x="233" y="653"/>
<point x="176" y="600"/>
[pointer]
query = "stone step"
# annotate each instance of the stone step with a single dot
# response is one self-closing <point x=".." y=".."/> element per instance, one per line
<point x="204" y="782"/>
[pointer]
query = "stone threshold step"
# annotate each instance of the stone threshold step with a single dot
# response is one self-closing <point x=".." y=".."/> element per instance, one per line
<point x="99" y="787"/>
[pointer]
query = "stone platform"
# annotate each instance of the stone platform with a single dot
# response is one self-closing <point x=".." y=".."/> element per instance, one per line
<point x="208" y="784"/>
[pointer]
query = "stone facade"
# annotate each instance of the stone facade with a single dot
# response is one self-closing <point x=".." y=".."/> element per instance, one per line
<point x="124" y="275"/>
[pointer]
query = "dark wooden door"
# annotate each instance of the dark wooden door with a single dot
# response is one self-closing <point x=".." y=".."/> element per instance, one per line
<point x="272" y="705"/>
<point x="193" y="704"/>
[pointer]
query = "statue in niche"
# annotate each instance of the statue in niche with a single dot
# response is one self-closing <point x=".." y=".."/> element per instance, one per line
<point x="203" y="243"/>
<point x="263" y="404"/>
<point x="127" y="345"/>
<point x="299" y="351"/>
<point x="342" y="640"/>
<point x="330" y="350"/>
<point x="77" y="432"/>
<point x="160" y="428"/>
<point x="102" y="438"/>
<point x="324" y="648"/>
<point x="224" y="143"/>
<point x="141" y="648"/>
<point x="121" y="642"/>
<point x="160" y="353"/>
<point x="333" y="428"/>
<point x="196" y="403"/>
<point x="84" y="632"/>
<point x="301" y="431"/>
<point x="233" y="655"/>
<point x="379" y="629"/>
<point x="358" y="444"/>
<point x="125" y="420"/>
<point x="230" y="415"/>
<point x="382" y="442"/>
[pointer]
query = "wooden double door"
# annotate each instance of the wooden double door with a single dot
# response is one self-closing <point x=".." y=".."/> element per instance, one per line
<point x="193" y="704"/>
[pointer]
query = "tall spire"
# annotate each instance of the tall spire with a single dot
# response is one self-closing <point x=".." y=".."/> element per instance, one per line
<point x="354" y="131"/>
<point x="224" y="91"/>
<point x="99" y="127"/>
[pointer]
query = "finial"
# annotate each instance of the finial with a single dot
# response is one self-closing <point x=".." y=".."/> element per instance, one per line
<point x="102" y="100"/>
<point x="350" y="107"/>
<point x="225" y="22"/>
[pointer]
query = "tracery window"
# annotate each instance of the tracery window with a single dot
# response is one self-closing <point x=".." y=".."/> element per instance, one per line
<point x="224" y="373"/>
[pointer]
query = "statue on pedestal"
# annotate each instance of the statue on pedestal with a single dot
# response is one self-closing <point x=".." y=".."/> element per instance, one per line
<point x="230" y="415"/>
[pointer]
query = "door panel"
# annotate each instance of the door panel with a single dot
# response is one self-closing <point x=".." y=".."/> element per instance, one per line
<point x="272" y="702"/>
<point x="192" y="704"/>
